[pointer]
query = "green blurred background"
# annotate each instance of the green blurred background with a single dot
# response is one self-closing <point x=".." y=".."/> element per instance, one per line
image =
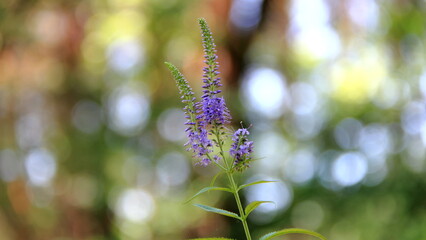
<point x="91" y="127"/>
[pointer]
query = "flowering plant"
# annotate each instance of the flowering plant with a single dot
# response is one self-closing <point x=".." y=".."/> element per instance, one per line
<point x="207" y="133"/>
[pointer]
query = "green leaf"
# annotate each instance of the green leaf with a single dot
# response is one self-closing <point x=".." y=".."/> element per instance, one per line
<point x="218" y="211"/>
<point x="254" y="205"/>
<point x="253" y="183"/>
<point x="206" y="189"/>
<point x="291" y="230"/>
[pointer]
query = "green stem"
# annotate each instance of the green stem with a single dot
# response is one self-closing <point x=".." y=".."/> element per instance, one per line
<point x="216" y="163"/>
<point x="240" y="207"/>
<point x="217" y="134"/>
<point x="234" y="186"/>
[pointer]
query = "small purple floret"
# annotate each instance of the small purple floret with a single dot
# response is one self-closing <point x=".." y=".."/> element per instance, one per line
<point x="241" y="148"/>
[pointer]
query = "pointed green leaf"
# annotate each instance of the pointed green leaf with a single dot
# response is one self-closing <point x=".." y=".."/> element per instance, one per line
<point x="292" y="230"/>
<point x="253" y="183"/>
<point x="254" y="205"/>
<point x="206" y="189"/>
<point x="218" y="211"/>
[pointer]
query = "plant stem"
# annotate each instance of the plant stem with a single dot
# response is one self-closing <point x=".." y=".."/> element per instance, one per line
<point x="216" y="163"/>
<point x="240" y="207"/>
<point x="234" y="186"/>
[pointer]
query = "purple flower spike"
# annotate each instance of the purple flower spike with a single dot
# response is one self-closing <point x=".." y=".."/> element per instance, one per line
<point x="241" y="149"/>
<point x="215" y="111"/>
<point x="198" y="142"/>
<point x="214" y="108"/>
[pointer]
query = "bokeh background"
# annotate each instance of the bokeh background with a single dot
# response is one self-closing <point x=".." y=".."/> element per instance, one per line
<point x="91" y="127"/>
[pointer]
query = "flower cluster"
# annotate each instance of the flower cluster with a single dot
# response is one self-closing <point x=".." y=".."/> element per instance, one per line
<point x="198" y="141"/>
<point x="241" y="149"/>
<point x="210" y="115"/>
<point x="214" y="107"/>
<point x="199" y="144"/>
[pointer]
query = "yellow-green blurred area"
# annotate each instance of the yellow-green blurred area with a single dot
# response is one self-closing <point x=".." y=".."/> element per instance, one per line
<point x="92" y="131"/>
